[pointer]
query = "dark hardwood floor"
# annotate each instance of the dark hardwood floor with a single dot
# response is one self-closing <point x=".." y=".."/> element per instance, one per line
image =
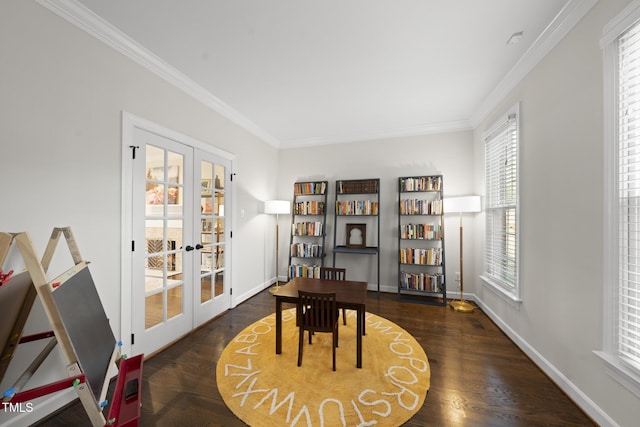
<point x="479" y="377"/>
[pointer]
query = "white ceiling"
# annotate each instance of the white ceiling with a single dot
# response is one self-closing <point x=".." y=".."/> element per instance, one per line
<point x="301" y="72"/>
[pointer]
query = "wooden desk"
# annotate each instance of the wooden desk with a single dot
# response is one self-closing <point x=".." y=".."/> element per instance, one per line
<point x="349" y="294"/>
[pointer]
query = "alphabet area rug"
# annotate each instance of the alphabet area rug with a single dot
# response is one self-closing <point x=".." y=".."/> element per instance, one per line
<point x="266" y="389"/>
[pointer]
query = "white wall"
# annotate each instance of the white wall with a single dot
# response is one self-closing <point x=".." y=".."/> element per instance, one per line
<point x="561" y="225"/>
<point x="448" y="154"/>
<point x="62" y="93"/>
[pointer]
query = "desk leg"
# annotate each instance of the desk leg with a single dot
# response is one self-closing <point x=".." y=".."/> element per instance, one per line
<point x="360" y="329"/>
<point x="364" y="321"/>
<point x="278" y="326"/>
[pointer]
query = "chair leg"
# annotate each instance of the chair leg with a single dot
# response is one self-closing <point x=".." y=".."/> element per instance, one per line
<point x="344" y="315"/>
<point x="335" y="344"/>
<point x="300" y="344"/>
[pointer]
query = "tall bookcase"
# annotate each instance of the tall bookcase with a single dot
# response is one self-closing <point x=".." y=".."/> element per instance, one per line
<point x="421" y="260"/>
<point x="357" y="213"/>
<point x="308" y="229"/>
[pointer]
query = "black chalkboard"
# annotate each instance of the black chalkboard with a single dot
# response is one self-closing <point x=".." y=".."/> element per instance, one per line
<point x="87" y="326"/>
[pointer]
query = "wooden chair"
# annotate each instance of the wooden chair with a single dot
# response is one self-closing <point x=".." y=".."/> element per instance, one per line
<point x="317" y="313"/>
<point x="332" y="273"/>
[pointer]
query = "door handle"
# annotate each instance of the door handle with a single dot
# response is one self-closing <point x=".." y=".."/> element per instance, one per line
<point x="189" y="248"/>
<point x="199" y="246"/>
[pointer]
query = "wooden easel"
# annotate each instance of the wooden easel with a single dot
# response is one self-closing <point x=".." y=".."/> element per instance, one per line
<point x="124" y="408"/>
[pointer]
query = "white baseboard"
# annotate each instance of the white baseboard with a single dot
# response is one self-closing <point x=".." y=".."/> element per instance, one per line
<point x="574" y="393"/>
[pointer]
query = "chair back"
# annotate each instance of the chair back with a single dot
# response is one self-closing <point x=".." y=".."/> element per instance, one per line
<point x="317" y="311"/>
<point x="331" y="273"/>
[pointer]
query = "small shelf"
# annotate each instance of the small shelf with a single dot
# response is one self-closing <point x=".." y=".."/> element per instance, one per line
<point x="308" y="257"/>
<point x="369" y="250"/>
<point x="357" y="203"/>
<point x="421" y="265"/>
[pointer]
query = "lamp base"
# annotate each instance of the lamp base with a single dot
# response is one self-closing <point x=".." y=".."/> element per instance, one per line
<point x="274" y="288"/>
<point x="462" y="306"/>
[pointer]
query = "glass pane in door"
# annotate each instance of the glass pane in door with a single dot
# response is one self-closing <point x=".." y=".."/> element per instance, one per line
<point x="164" y="235"/>
<point x="206" y="229"/>
<point x="212" y="229"/>
<point x="219" y="242"/>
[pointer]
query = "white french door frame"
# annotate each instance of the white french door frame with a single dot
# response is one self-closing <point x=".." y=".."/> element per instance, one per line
<point x="129" y="123"/>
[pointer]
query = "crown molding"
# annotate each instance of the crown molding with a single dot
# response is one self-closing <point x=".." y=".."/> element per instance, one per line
<point x="445" y="127"/>
<point x="94" y="25"/>
<point x="564" y="22"/>
<point x="91" y="23"/>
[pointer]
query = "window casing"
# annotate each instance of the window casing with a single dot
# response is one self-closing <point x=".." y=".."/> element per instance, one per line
<point x="621" y="299"/>
<point x="501" y="205"/>
<point x="628" y="295"/>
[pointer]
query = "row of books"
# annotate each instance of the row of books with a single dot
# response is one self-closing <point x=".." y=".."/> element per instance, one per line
<point x="357" y="207"/>
<point x="420" y="207"/>
<point x="314" y="228"/>
<point x="421" y="183"/>
<point x="421" y="256"/>
<point x="309" y="207"/>
<point x="421" y="231"/>
<point x="306" y="250"/>
<point x="421" y="281"/>
<point x="302" y="188"/>
<point x="304" y="271"/>
<point x="358" y="186"/>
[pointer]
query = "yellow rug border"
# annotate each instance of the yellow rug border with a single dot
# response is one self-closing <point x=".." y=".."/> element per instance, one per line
<point x="388" y="398"/>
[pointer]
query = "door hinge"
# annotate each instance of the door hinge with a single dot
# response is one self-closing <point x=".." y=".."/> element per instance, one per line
<point x="133" y="340"/>
<point x="231" y="234"/>
<point x="133" y="150"/>
<point x="133" y="246"/>
<point x="230" y="291"/>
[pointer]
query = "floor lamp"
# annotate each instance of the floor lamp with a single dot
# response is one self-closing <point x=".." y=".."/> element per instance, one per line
<point x="462" y="205"/>
<point x="277" y="207"/>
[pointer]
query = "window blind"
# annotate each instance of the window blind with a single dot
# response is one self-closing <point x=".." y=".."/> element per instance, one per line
<point x="628" y="297"/>
<point x="501" y="175"/>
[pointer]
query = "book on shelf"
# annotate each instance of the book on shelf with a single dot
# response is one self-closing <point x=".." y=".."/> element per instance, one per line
<point x="308" y="207"/>
<point x="358" y="186"/>
<point x="421" y="281"/>
<point x="421" y="256"/>
<point x="421" y="183"/>
<point x="357" y="207"/>
<point x="306" y="250"/>
<point x="297" y="270"/>
<point x="314" y="229"/>
<point x="421" y="231"/>
<point x="309" y="188"/>
<point x="420" y="207"/>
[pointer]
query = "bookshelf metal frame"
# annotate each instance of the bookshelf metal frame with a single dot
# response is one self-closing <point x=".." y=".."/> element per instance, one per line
<point x="358" y="187"/>
<point x="426" y="296"/>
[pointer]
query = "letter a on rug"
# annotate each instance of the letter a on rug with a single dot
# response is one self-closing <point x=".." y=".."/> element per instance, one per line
<point x="267" y="389"/>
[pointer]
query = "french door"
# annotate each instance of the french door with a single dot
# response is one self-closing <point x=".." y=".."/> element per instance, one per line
<point x="211" y="292"/>
<point x="179" y="239"/>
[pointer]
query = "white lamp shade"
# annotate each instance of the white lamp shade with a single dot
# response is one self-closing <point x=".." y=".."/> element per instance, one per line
<point x="277" y="207"/>
<point x="462" y="204"/>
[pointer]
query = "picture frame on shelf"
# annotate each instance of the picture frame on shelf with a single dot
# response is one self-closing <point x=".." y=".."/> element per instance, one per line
<point x="356" y="236"/>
